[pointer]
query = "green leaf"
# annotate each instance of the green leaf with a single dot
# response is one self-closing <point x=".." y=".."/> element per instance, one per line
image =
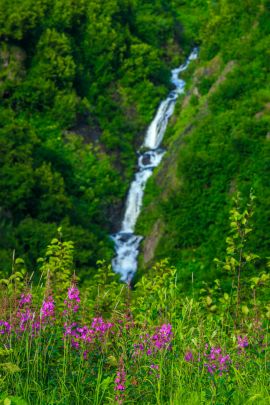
<point x="255" y="280"/>
<point x="245" y="309"/>
<point x="226" y="296"/>
<point x="10" y="368"/>
<point x="19" y="261"/>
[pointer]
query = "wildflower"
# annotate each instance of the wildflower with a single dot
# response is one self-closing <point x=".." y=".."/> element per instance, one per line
<point x="216" y="361"/>
<point x="47" y="309"/>
<point x="81" y="335"/>
<point x="70" y="329"/>
<point x="100" y="326"/>
<point x="120" y="382"/>
<point x="25" y="299"/>
<point x="154" y="366"/>
<point x="5" y="327"/>
<point x="35" y="327"/>
<point x="24" y="313"/>
<point x="188" y="356"/>
<point x="163" y="336"/>
<point x="25" y="316"/>
<point x="73" y="299"/>
<point x="242" y="342"/>
<point x="74" y="293"/>
<point x="75" y="344"/>
<point x="151" y="344"/>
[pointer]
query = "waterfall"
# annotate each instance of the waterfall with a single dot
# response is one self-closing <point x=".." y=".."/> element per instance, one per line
<point x="126" y="242"/>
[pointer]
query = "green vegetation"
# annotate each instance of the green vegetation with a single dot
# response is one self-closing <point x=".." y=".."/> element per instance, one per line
<point x="153" y="345"/>
<point x="79" y="83"/>
<point x="218" y="143"/>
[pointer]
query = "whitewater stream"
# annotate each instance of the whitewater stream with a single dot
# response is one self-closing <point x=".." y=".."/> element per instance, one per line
<point x="126" y="242"/>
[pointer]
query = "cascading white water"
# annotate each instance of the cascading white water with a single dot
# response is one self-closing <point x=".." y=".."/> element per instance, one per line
<point x="126" y="242"/>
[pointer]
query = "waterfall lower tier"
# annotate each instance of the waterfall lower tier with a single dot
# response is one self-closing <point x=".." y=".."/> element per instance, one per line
<point x="126" y="242"/>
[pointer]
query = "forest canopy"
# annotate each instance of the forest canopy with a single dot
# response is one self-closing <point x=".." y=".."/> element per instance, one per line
<point x="79" y="82"/>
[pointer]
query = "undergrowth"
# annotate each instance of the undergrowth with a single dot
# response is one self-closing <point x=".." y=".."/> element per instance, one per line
<point x="108" y="343"/>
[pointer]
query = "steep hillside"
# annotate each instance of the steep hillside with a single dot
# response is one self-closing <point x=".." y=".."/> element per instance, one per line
<point x="79" y="82"/>
<point x="218" y="143"/>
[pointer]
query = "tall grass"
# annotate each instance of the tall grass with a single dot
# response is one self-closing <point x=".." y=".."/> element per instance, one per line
<point x="148" y="355"/>
<point x="109" y="344"/>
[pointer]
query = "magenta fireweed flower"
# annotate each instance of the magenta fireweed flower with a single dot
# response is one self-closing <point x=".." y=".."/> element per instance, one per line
<point x="189" y="356"/>
<point x="162" y="337"/>
<point x="154" y="366"/>
<point x="36" y="326"/>
<point x="25" y="299"/>
<point x="242" y="342"/>
<point x="152" y="344"/>
<point x="120" y="383"/>
<point x="216" y="361"/>
<point x="70" y="329"/>
<point x="5" y="327"/>
<point x="100" y="326"/>
<point x="73" y="299"/>
<point x="85" y="335"/>
<point x="24" y="314"/>
<point x="74" y="293"/>
<point x="26" y="317"/>
<point x="47" y="308"/>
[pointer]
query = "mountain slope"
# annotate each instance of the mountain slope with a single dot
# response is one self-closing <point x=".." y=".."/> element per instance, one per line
<point x="218" y="143"/>
<point x="79" y="82"/>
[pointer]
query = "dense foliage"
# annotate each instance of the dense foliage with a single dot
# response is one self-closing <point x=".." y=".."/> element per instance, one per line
<point x="218" y="143"/>
<point x="79" y="83"/>
<point x="107" y="344"/>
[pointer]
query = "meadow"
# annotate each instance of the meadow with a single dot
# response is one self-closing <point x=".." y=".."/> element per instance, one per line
<point x="152" y="343"/>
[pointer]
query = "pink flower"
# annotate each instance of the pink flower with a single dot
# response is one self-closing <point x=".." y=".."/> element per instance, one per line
<point x="120" y="387"/>
<point x="5" y="327"/>
<point x="101" y="327"/>
<point x="74" y="294"/>
<point x="162" y="337"/>
<point x="25" y="316"/>
<point x="216" y="361"/>
<point x="73" y="299"/>
<point x="189" y="356"/>
<point x="25" y="299"/>
<point x="24" y="312"/>
<point x="82" y="335"/>
<point x="242" y="342"/>
<point x="120" y="381"/>
<point x="47" y="309"/>
<point x="154" y="366"/>
<point x="160" y="340"/>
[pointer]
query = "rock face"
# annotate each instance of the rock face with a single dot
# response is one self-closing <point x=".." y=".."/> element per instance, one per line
<point x="228" y="68"/>
<point x="152" y="241"/>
